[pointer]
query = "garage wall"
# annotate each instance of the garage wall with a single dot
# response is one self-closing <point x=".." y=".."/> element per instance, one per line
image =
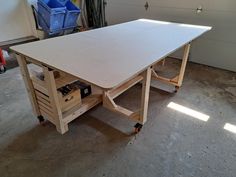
<point x="14" y="20"/>
<point x="216" y="48"/>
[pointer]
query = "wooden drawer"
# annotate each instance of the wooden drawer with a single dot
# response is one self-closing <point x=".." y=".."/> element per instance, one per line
<point x="66" y="102"/>
<point x="69" y="101"/>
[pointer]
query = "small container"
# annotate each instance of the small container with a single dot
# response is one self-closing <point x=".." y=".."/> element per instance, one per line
<point x="51" y="15"/>
<point x="72" y="14"/>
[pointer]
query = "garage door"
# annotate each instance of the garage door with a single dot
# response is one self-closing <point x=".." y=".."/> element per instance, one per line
<point x="216" y="48"/>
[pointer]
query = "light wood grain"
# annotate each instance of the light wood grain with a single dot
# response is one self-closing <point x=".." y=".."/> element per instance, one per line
<point x="28" y="83"/>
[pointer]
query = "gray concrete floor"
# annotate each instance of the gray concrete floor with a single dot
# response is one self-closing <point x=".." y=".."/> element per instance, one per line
<point x="100" y="143"/>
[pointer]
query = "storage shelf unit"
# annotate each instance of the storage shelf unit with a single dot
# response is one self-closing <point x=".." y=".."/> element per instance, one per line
<point x="51" y="104"/>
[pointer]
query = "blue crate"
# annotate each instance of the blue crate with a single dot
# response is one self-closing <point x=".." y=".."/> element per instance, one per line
<point x="51" y="15"/>
<point x="72" y="14"/>
<point x="63" y="2"/>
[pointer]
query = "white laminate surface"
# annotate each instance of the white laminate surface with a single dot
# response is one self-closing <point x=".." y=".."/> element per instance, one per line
<point x="110" y="56"/>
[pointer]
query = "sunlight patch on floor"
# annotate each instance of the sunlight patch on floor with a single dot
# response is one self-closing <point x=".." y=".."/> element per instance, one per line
<point x="230" y="127"/>
<point x="188" y="111"/>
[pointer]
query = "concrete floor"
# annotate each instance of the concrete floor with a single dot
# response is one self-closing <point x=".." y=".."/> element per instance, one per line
<point x="100" y="143"/>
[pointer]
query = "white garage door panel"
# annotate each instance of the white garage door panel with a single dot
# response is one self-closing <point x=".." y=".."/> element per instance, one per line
<point x="125" y="2"/>
<point x="13" y="20"/>
<point x="213" y="46"/>
<point x="217" y="47"/>
<point x="212" y="53"/>
<point x="182" y="4"/>
<point x="117" y="13"/>
<point x="223" y="23"/>
<point x="222" y="5"/>
<point x="223" y="26"/>
<point x="222" y="33"/>
<point x="219" y="5"/>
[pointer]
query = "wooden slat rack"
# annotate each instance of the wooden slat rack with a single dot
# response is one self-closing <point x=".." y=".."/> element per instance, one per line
<point x="48" y="102"/>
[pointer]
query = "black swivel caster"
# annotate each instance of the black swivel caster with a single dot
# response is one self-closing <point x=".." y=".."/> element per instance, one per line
<point x="41" y="120"/>
<point x="138" y="127"/>
<point x="176" y="89"/>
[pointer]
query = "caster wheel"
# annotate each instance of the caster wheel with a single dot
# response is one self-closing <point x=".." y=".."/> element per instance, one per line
<point x="138" y="127"/>
<point x="41" y="120"/>
<point x="3" y="69"/>
<point x="176" y="89"/>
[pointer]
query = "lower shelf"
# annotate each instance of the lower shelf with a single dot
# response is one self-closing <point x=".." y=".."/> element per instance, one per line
<point x="87" y="103"/>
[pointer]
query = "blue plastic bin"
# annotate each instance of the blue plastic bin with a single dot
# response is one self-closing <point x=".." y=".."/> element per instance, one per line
<point x="51" y="15"/>
<point x="72" y="14"/>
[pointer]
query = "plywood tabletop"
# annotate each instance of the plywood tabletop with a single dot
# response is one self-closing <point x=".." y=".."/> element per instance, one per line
<point x="111" y="55"/>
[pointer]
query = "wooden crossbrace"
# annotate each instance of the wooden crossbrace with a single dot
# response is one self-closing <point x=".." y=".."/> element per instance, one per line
<point x="119" y="90"/>
<point x="173" y="81"/>
<point x="109" y="96"/>
<point x="109" y="103"/>
<point x="139" y="116"/>
<point x="178" y="79"/>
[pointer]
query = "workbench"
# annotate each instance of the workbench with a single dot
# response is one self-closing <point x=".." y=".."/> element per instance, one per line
<point x="111" y="59"/>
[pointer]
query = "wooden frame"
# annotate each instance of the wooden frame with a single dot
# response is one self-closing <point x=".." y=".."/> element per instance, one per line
<point x="28" y="84"/>
<point x="108" y="78"/>
<point x="40" y="102"/>
<point x="177" y="80"/>
<point x="53" y="98"/>
<point x="61" y="120"/>
<point x="110" y="95"/>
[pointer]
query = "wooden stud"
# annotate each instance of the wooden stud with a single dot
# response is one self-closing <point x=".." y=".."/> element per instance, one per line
<point x="121" y="89"/>
<point x="110" y="95"/>
<point x="49" y="116"/>
<point x="44" y="101"/>
<point x="108" y="101"/>
<point x="145" y="95"/>
<point x="53" y="97"/>
<point x="177" y="80"/>
<point x="184" y="63"/>
<point x="42" y="95"/>
<point x="140" y="116"/>
<point x="163" y="62"/>
<point x="28" y="83"/>
<point x="40" y="88"/>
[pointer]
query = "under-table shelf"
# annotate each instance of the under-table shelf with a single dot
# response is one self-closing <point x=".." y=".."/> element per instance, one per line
<point x="87" y="103"/>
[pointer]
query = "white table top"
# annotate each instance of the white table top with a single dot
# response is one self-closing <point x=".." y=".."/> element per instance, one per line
<point x="112" y="55"/>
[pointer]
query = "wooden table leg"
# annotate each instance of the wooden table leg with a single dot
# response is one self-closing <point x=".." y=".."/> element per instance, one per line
<point x="139" y="116"/>
<point x="177" y="80"/>
<point x="110" y="95"/>
<point x="144" y="99"/>
<point x="28" y="83"/>
<point x="145" y="95"/>
<point x="184" y="63"/>
<point x="53" y="97"/>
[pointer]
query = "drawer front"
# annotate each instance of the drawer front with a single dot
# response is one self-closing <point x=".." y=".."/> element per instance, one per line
<point x="70" y="100"/>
